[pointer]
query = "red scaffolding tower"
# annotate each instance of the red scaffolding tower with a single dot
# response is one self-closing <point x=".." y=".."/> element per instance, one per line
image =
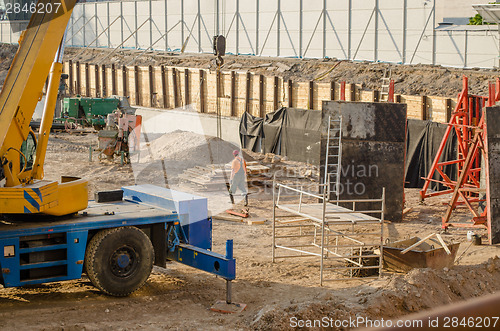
<point x="468" y="122"/>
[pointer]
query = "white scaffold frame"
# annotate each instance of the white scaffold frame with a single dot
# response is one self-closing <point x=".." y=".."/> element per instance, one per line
<point x="322" y="220"/>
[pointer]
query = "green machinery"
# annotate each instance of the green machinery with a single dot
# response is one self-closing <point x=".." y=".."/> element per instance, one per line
<point x="88" y="111"/>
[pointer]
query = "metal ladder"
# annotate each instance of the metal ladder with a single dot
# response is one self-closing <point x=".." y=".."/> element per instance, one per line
<point x="333" y="156"/>
<point x="386" y="81"/>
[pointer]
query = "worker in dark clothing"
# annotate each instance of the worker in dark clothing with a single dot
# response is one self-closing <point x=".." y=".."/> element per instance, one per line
<point x="238" y="177"/>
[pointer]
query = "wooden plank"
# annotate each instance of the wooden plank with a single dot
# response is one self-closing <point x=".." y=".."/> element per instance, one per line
<point x="441" y="241"/>
<point x="256" y="222"/>
<point x="409" y="248"/>
<point x="298" y="220"/>
<point x="228" y="218"/>
<point x="407" y="210"/>
<point x="290" y="93"/>
<point x="332" y="90"/>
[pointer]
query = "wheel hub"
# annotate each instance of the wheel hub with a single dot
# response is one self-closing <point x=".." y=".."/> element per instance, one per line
<point x="123" y="261"/>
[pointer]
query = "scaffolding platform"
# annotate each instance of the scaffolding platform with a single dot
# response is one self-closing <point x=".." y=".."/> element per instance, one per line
<point x="333" y="213"/>
<point x="348" y="242"/>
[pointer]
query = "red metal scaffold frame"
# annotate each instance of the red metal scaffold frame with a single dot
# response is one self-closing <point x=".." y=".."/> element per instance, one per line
<point x="468" y="122"/>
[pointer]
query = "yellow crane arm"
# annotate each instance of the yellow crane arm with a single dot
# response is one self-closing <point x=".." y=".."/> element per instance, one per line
<point x="22" y="189"/>
<point x="23" y="85"/>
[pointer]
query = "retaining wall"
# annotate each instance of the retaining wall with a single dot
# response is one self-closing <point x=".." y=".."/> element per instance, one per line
<point x="175" y="87"/>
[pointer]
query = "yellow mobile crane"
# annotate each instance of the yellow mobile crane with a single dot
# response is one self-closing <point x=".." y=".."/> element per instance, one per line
<point x="114" y="243"/>
<point x="22" y="188"/>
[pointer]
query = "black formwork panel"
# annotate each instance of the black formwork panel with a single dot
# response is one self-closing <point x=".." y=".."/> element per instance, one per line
<point x="493" y="142"/>
<point x="373" y="152"/>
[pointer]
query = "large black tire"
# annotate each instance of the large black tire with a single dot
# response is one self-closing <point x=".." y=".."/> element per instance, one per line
<point x="119" y="261"/>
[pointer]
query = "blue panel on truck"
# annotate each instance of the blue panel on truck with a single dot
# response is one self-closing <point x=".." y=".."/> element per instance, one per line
<point x="192" y="210"/>
<point x="9" y="261"/>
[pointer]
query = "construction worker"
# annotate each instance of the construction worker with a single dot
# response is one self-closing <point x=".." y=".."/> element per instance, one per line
<point x="238" y="177"/>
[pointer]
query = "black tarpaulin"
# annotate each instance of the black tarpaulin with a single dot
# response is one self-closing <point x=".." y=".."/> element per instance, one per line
<point x="422" y="143"/>
<point x="251" y="132"/>
<point x="273" y="125"/>
<point x="290" y="132"/>
<point x="301" y="135"/>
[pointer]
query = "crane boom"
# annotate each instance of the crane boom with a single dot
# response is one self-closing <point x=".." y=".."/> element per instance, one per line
<point x="23" y="190"/>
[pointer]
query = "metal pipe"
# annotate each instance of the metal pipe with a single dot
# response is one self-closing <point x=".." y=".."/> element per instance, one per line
<point x="278" y="44"/>
<point x="375" y="48"/>
<point x="150" y="46"/>
<point x="301" y="32"/>
<point x="405" y="22"/>
<point x="96" y="38"/>
<point x="364" y="33"/>
<point x="228" y="291"/>
<point x="349" y="30"/>
<point x="73" y="34"/>
<point x="229" y="249"/>
<point x="123" y="42"/>
<point x="421" y="35"/>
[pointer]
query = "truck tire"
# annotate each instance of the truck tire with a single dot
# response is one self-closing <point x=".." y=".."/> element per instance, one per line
<point x="119" y="261"/>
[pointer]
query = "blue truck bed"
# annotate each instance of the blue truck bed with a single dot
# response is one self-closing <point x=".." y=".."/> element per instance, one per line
<point x="54" y="248"/>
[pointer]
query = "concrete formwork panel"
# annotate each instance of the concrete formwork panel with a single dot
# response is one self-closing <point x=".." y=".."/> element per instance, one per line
<point x="373" y="149"/>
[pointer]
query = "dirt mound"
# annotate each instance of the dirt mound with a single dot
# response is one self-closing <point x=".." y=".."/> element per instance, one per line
<point x="422" y="289"/>
<point x="283" y="318"/>
<point x="418" y="79"/>
<point x="416" y="291"/>
<point x="7" y="53"/>
<point x="190" y="148"/>
<point x="172" y="153"/>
